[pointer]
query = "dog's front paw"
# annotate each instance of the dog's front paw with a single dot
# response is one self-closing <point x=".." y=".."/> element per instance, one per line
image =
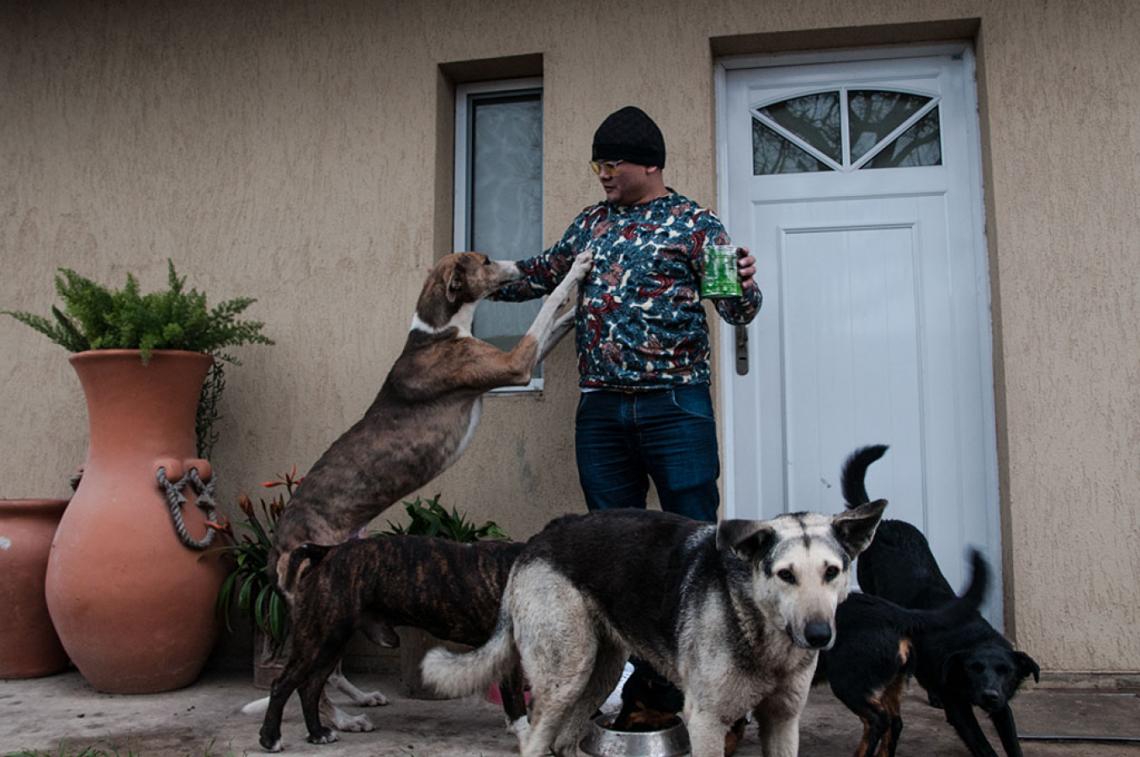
<point x="323" y="736"/>
<point x="353" y="723"/>
<point x="371" y="699"/>
<point x="583" y="262"/>
<point x="270" y="745"/>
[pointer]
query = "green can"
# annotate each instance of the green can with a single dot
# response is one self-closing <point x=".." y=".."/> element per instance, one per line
<point x="721" y="278"/>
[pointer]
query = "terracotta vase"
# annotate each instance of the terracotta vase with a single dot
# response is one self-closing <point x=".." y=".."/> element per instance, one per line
<point x="29" y="646"/>
<point x="133" y="605"/>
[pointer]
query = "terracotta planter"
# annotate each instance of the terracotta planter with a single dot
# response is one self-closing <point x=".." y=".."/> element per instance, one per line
<point x="29" y="646"/>
<point x="133" y="605"/>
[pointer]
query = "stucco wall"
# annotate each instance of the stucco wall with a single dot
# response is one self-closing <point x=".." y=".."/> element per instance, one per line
<point x="300" y="153"/>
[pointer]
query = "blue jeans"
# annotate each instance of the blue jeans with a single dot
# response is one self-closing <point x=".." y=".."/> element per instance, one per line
<point x="624" y="440"/>
<point x="668" y="435"/>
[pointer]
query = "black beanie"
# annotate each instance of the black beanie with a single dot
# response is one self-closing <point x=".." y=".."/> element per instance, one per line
<point x="629" y="134"/>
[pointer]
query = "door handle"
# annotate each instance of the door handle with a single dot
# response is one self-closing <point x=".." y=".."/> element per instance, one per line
<point x="741" y="350"/>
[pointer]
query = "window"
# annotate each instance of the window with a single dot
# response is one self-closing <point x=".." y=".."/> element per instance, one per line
<point x="498" y="191"/>
<point x="846" y="130"/>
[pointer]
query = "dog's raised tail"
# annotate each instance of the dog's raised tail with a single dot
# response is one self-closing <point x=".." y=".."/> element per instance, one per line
<point x="956" y="611"/>
<point x="855" y="470"/>
<point x="975" y="593"/>
<point x="459" y="674"/>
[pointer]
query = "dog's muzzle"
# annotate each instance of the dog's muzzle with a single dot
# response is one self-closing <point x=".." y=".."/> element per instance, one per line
<point x="817" y="633"/>
<point x="991" y="700"/>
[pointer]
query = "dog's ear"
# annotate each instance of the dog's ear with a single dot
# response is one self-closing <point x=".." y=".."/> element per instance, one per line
<point x="751" y="539"/>
<point x="454" y="282"/>
<point x="856" y="527"/>
<point x="1027" y="666"/>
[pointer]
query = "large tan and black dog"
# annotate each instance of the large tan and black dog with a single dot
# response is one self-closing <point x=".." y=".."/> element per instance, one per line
<point x="735" y="614"/>
<point x="450" y="590"/>
<point x="422" y="419"/>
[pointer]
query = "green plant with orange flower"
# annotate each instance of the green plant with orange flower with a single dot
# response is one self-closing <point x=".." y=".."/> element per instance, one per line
<point x="249" y="587"/>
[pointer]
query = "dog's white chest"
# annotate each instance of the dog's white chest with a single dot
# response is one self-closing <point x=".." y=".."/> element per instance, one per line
<point x="469" y="434"/>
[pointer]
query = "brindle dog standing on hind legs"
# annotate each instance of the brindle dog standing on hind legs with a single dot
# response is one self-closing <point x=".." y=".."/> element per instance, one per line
<point x="420" y="422"/>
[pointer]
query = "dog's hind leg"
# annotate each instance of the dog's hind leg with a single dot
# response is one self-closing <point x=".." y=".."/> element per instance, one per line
<point x="557" y="685"/>
<point x="514" y="702"/>
<point x="312" y="687"/>
<point x="300" y="670"/>
<point x="876" y="730"/>
<point x="340" y="682"/>
<point x="270" y="736"/>
<point x="340" y="719"/>
<point x="557" y="647"/>
<point x="608" y="664"/>
<point x="892" y="703"/>
<point x="312" y="692"/>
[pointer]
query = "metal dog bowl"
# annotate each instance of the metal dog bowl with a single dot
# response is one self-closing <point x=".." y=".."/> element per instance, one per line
<point x="602" y="741"/>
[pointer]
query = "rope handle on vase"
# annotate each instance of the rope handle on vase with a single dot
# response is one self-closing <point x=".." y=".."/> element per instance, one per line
<point x="175" y="500"/>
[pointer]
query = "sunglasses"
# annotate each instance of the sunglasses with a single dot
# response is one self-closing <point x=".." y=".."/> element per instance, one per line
<point x="609" y="166"/>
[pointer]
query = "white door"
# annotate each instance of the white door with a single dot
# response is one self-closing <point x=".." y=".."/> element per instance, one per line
<point x="856" y="183"/>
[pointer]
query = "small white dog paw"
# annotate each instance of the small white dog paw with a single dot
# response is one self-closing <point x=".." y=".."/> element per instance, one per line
<point x="583" y="262"/>
<point x="353" y="723"/>
<point x="371" y="699"/>
<point x="328" y="737"/>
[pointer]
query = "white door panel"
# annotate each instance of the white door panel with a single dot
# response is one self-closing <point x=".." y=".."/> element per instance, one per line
<point x="875" y="326"/>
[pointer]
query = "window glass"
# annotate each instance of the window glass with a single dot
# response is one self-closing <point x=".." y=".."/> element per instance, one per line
<point x="873" y="114"/>
<point x="814" y="119"/>
<point x="772" y="154"/>
<point x="504" y="198"/>
<point x="920" y="145"/>
<point x="883" y="129"/>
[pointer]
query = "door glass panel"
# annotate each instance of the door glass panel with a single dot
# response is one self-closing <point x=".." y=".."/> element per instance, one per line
<point x="772" y="154"/>
<point x="920" y="145"/>
<point x="873" y="114"/>
<point x="814" y="119"/>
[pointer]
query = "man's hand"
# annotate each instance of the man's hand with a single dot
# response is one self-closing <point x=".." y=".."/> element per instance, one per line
<point x="746" y="267"/>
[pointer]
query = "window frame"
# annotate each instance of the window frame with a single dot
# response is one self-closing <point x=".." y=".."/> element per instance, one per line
<point x="465" y="95"/>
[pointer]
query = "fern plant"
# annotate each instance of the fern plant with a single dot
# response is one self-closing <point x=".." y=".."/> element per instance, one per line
<point x="97" y="318"/>
<point x="430" y="518"/>
<point x="94" y="317"/>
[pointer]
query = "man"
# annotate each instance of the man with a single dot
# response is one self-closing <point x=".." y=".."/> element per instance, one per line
<point x="642" y="337"/>
<point x="643" y="347"/>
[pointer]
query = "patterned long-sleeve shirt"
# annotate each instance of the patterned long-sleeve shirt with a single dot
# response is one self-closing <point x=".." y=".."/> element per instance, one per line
<point x="640" y="322"/>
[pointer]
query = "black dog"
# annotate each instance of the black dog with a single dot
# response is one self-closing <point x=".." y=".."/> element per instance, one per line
<point x="872" y="658"/>
<point x="970" y="665"/>
<point x="450" y="590"/>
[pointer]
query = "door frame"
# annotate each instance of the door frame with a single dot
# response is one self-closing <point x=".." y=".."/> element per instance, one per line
<point x="725" y="359"/>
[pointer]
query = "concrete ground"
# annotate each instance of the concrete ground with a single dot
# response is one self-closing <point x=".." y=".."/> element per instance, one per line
<point x="62" y="716"/>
